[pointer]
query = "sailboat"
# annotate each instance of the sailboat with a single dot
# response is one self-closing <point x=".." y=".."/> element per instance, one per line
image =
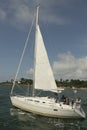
<point x="44" y="80"/>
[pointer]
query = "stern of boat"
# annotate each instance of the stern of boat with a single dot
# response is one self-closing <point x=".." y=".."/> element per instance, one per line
<point x="79" y="110"/>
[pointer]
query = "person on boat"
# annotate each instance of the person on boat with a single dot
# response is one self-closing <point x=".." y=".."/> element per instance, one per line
<point x="67" y="100"/>
<point x="63" y="99"/>
<point x="78" y="100"/>
<point x="56" y="97"/>
<point x="72" y="102"/>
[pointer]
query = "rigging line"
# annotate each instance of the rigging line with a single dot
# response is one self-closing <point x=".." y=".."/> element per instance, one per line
<point x="38" y="93"/>
<point x="21" y="59"/>
<point x="21" y="88"/>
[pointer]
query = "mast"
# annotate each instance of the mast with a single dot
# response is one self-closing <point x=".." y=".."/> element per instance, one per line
<point x="37" y="16"/>
<point x="37" y="12"/>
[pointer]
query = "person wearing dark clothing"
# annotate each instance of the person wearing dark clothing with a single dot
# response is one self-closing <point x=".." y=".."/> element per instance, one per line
<point x="63" y="98"/>
<point x="67" y="100"/>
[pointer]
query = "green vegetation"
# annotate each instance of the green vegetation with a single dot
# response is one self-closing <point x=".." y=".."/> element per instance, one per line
<point x="62" y="83"/>
<point x="22" y="81"/>
<point x="76" y="83"/>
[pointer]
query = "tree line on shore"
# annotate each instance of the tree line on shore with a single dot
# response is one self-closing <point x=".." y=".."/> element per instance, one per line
<point x="60" y="83"/>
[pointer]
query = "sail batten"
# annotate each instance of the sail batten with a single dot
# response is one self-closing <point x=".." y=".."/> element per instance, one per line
<point x="44" y="78"/>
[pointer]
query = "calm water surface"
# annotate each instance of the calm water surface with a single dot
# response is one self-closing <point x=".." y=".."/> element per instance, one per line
<point x="15" y="119"/>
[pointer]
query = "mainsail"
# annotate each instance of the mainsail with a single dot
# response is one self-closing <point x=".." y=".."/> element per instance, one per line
<point x="44" y="78"/>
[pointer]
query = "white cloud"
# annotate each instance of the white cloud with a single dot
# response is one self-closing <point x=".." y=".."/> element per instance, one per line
<point x="30" y="73"/>
<point x="48" y="13"/>
<point x="16" y="13"/>
<point x="20" y="12"/>
<point x="23" y="14"/>
<point x="68" y="66"/>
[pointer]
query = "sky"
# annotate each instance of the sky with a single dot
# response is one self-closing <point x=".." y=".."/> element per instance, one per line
<point x="63" y="25"/>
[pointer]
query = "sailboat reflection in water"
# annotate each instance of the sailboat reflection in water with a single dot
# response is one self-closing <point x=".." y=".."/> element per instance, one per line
<point x="44" y="81"/>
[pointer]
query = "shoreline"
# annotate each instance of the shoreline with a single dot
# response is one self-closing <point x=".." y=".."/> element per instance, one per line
<point x="75" y="88"/>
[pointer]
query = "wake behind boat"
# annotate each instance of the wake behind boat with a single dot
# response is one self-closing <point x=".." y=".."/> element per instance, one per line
<point x="46" y="106"/>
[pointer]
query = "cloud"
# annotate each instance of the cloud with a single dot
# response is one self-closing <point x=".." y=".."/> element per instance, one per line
<point x="67" y="66"/>
<point x="30" y="73"/>
<point x="21" y="12"/>
<point x="50" y="11"/>
<point x="16" y="13"/>
<point x="2" y="15"/>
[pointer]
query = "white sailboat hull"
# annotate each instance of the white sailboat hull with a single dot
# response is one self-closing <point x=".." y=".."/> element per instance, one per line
<point x="47" y="107"/>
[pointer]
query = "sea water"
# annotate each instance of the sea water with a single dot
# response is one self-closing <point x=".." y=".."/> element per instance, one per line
<point x="14" y="119"/>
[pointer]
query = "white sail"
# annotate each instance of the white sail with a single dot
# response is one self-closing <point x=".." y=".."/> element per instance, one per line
<point x="44" y="78"/>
